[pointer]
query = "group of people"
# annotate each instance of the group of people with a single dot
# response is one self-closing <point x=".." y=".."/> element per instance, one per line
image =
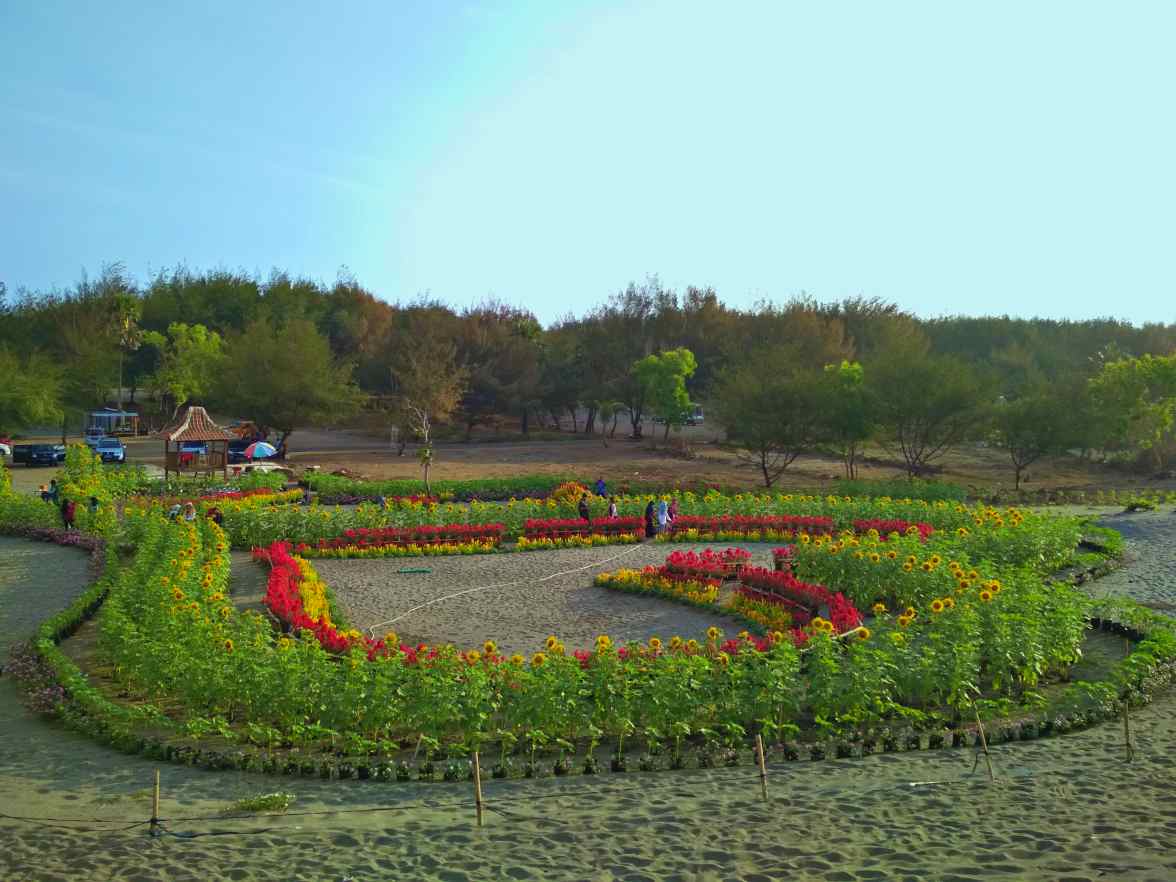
<point x="659" y="516"/>
<point x="68" y="508"/>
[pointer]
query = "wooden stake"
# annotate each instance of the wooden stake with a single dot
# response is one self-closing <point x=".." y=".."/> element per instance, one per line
<point x="759" y="753"/>
<point x="155" y="806"/>
<point x="1127" y="731"/>
<point x="478" y="787"/>
<point x="983" y="743"/>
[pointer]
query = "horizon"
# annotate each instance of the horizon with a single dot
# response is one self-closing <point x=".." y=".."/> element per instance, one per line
<point x="950" y="161"/>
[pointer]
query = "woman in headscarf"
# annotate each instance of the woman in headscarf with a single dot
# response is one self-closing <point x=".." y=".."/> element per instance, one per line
<point x="663" y="516"/>
<point x="650" y="522"/>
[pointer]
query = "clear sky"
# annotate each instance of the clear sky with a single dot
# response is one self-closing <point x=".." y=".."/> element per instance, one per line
<point x="969" y="158"/>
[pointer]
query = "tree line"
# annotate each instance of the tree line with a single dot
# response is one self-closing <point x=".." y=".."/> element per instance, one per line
<point x="784" y="379"/>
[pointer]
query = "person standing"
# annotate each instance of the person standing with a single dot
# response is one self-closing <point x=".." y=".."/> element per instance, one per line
<point x="69" y="510"/>
<point x="650" y="522"/>
<point x="585" y="515"/>
<point x="189" y="512"/>
<point x="601" y="490"/>
<point x="93" y="505"/>
<point x="54" y="492"/>
<point x="663" y="516"/>
<point x="612" y="506"/>
<point x="673" y="512"/>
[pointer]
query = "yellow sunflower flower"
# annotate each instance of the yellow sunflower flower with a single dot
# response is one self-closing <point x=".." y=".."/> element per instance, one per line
<point x="538" y="659"/>
<point x="937" y="605"/>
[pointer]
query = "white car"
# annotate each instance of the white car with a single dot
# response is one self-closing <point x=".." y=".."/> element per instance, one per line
<point x="5" y="450"/>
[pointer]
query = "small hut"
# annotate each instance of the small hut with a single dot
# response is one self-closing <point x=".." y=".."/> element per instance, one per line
<point x="193" y="427"/>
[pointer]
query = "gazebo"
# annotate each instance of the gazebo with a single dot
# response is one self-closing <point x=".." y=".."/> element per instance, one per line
<point x="196" y="426"/>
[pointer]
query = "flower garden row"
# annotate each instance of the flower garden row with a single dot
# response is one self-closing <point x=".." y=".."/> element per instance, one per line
<point x="949" y="614"/>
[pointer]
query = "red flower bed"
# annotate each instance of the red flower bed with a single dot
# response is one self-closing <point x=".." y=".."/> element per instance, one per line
<point x="783" y="556"/>
<point x="886" y="527"/>
<point x="760" y="584"/>
<point x="446" y="534"/>
<point x="284" y="599"/>
<point x="708" y="564"/>
<point x="743" y="524"/>
<point x="561" y="528"/>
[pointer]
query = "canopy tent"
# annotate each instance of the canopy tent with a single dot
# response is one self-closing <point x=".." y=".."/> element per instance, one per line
<point x="195" y="426"/>
<point x="113" y="421"/>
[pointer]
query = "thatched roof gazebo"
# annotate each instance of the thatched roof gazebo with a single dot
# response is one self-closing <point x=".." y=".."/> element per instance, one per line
<point x="195" y="426"/>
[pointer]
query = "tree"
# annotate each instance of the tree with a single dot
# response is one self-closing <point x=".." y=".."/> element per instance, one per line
<point x="1034" y="425"/>
<point x="927" y="404"/>
<point x="31" y="391"/>
<point x="283" y="377"/>
<point x="770" y="409"/>
<point x="125" y="311"/>
<point x="429" y="383"/>
<point x="1138" y="397"/>
<point x="190" y="359"/>
<point x="848" y="412"/>
<point x="663" y="378"/>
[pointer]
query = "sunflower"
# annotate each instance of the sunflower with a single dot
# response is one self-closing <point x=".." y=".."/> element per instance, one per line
<point x="936" y="560"/>
<point x="818" y="624"/>
<point x="904" y="621"/>
<point x="954" y="565"/>
<point x="962" y="531"/>
<point x="538" y="659"/>
<point x="551" y="642"/>
<point x="692" y="645"/>
<point x="744" y="634"/>
<point x="910" y="612"/>
<point x="776" y="636"/>
<point x="994" y="586"/>
<point x="228" y="646"/>
<point x="724" y="659"/>
<point x="655" y="643"/>
<point x="473" y="656"/>
<point x="963" y="584"/>
<point x="713" y="633"/>
<point x="805" y="539"/>
<point x="911" y="559"/>
<point x="892" y="554"/>
<point x="986" y="595"/>
<point x="675" y="642"/>
<point x="936" y="605"/>
<point x="897" y="638"/>
<point x="949" y="602"/>
<point x="864" y="633"/>
<point x="517" y="659"/>
<point x="489" y="647"/>
<point x="391" y="639"/>
<point x="907" y="567"/>
<point x="973" y="575"/>
<point x="879" y="609"/>
<point x="603" y="642"/>
<point x="875" y="557"/>
<point x="928" y="566"/>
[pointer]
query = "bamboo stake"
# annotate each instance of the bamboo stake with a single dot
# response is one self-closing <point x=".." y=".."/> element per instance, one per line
<point x="763" y="767"/>
<point x="155" y="806"/>
<point x="1127" y="713"/>
<point x="983" y="743"/>
<point x="478" y="787"/>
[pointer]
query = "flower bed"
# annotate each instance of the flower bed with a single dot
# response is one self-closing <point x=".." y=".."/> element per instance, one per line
<point x="884" y="528"/>
<point x="708" y="564"/>
<point x="749" y="527"/>
<point x="562" y="528"/>
<point x="686" y="589"/>
<point x="803" y="600"/>
<point x="590" y="541"/>
<point x="466" y="538"/>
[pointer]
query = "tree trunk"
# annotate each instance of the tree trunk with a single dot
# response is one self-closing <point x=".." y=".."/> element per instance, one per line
<point x="612" y="432"/>
<point x="525" y="425"/>
<point x="575" y="420"/>
<point x="666" y="436"/>
<point x="1017" y="469"/>
<point x="590" y="423"/>
<point x="63" y="421"/>
<point x="768" y="479"/>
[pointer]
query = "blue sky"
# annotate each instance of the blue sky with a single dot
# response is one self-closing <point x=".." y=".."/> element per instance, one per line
<point x="952" y="158"/>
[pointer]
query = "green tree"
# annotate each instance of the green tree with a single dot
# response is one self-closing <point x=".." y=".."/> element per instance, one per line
<point x="284" y="376"/>
<point x="1034" y="425"/>
<point x="927" y="404"/>
<point x="847" y="412"/>
<point x="429" y="382"/>
<point x="664" y="376"/>
<point x="770" y="408"/>
<point x="1138" y="397"/>
<point x="30" y="392"/>
<point x="189" y="361"/>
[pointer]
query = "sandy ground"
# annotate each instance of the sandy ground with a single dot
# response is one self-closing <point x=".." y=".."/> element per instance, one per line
<point x="1066" y="808"/>
<point x="505" y="600"/>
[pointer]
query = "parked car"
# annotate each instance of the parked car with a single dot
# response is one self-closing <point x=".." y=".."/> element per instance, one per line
<point x="5" y="448"/>
<point x="93" y="435"/>
<point x="38" y="454"/>
<point x="111" y="450"/>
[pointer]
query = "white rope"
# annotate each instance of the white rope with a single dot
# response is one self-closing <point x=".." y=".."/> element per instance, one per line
<point x="372" y="630"/>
